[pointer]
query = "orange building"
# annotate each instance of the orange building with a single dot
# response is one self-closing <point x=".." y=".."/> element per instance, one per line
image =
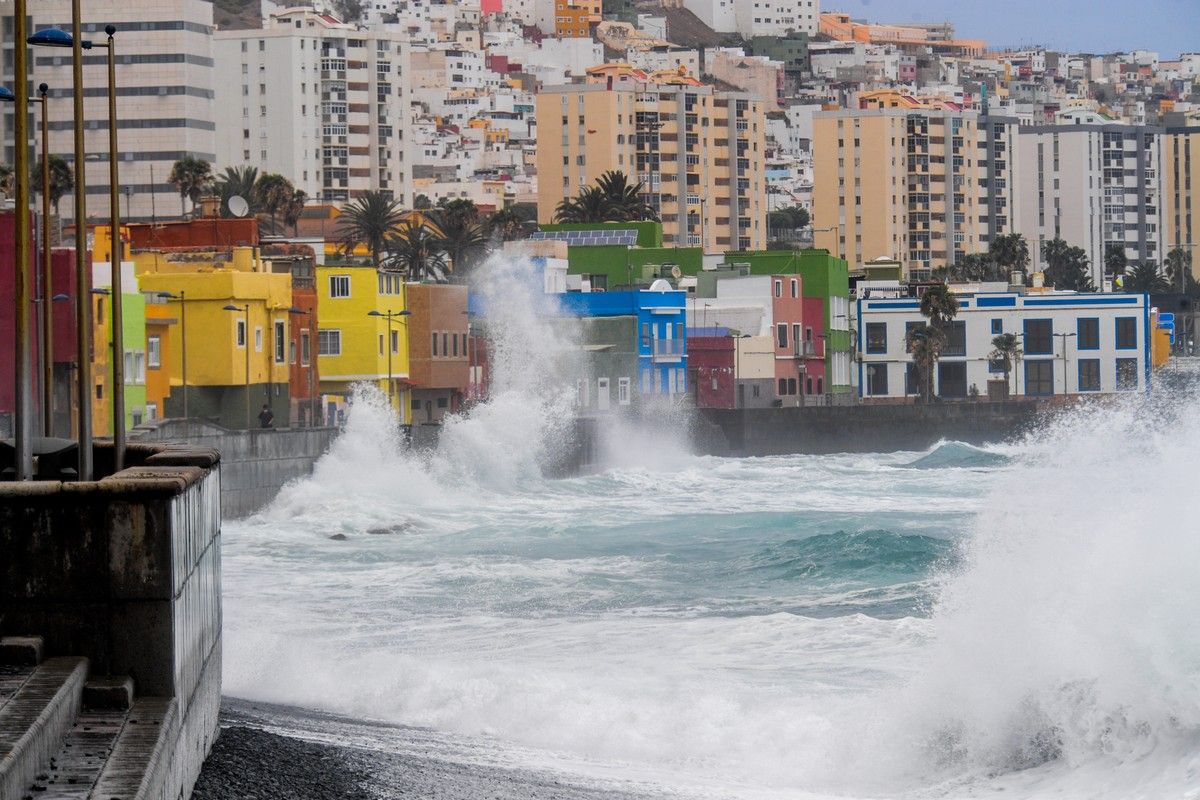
<point x="161" y="315"/>
<point x="576" y="19"/>
<point x="840" y="27"/>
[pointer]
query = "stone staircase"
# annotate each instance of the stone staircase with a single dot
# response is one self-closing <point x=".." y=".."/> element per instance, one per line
<point x="63" y="735"/>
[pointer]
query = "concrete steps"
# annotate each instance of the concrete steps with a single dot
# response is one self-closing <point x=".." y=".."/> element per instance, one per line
<point x="36" y="715"/>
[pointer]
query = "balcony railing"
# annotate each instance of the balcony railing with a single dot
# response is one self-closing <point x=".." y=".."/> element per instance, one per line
<point x="803" y="349"/>
<point x="668" y="349"/>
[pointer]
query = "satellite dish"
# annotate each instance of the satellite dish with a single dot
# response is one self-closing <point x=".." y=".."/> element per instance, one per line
<point x="238" y="206"/>
<point x="676" y="272"/>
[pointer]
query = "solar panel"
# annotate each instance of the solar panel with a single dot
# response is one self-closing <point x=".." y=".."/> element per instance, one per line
<point x="617" y="238"/>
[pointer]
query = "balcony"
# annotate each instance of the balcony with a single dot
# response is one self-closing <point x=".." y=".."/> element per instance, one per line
<point x="667" y="350"/>
<point x="803" y="349"/>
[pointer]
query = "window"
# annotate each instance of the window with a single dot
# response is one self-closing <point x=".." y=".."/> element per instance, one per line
<point x="782" y="332"/>
<point x="1127" y="333"/>
<point x="1089" y="374"/>
<point x="339" y="286"/>
<point x="877" y="379"/>
<point x="795" y="288"/>
<point x="395" y="341"/>
<point x="305" y="347"/>
<point x="1039" y="378"/>
<point x="1088" y="337"/>
<point x="956" y="340"/>
<point x="996" y="365"/>
<point x="257" y="339"/>
<point x="779" y="288"/>
<point x="241" y="333"/>
<point x="329" y="342"/>
<point x="135" y="368"/>
<point x="782" y="386"/>
<point x="912" y="379"/>
<point x="291" y="352"/>
<point x="997" y="327"/>
<point x="433" y="344"/>
<point x="153" y="352"/>
<point x="1039" y="340"/>
<point x="454" y="345"/>
<point x="1127" y="373"/>
<point x="445" y="344"/>
<point x="791" y="386"/>
<point x="280" y="339"/>
<point x="909" y="327"/>
<point x="877" y="338"/>
<point x="623" y="391"/>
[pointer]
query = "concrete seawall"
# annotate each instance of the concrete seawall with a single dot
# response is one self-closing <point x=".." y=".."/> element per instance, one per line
<point x="255" y="464"/>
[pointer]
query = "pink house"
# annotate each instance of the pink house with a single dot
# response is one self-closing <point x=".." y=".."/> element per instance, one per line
<point x="787" y="309"/>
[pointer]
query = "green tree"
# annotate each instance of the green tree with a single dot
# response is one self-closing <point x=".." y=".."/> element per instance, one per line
<point x="237" y="182"/>
<point x="506" y="223"/>
<point x="793" y="218"/>
<point x="589" y="205"/>
<point x="624" y="199"/>
<point x="925" y="343"/>
<point x="272" y="193"/>
<point x="1007" y="349"/>
<point x="973" y="267"/>
<point x="369" y="220"/>
<point x="7" y="182"/>
<point x="1115" y="263"/>
<point x="422" y="202"/>
<point x="414" y="249"/>
<point x="62" y="179"/>
<point x="191" y="177"/>
<point x="1178" y="268"/>
<point x="460" y="234"/>
<point x="939" y="306"/>
<point x="293" y="208"/>
<point x="1010" y="251"/>
<point x="1145" y="278"/>
<point x="1067" y="267"/>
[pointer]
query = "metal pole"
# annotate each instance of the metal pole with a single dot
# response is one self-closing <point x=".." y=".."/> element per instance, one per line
<point x="183" y="345"/>
<point x="116" y="256"/>
<point x="83" y="298"/>
<point x="23" y="422"/>
<point x="47" y="276"/>
<point x="247" y="314"/>
<point x="391" y="394"/>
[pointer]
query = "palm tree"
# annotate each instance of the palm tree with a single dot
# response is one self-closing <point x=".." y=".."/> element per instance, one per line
<point x="293" y="208"/>
<point x="414" y="249"/>
<point x="507" y="224"/>
<point x="1145" y="278"/>
<point x="1007" y="349"/>
<point x="1178" y="267"/>
<point x="191" y="177"/>
<point x="368" y="220"/>
<point x="237" y="182"/>
<point x="588" y="206"/>
<point x="460" y="235"/>
<point x="1010" y="251"/>
<point x="925" y="342"/>
<point x="272" y="192"/>
<point x="939" y="306"/>
<point x="62" y="179"/>
<point x="624" y="200"/>
<point x="7" y="183"/>
<point x="1067" y="267"/>
<point x="1115" y="263"/>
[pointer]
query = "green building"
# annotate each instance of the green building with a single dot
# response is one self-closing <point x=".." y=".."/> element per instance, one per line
<point x="637" y="260"/>
<point x="791" y="50"/>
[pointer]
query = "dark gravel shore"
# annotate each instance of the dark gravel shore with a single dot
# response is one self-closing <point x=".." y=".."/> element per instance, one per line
<point x="249" y="763"/>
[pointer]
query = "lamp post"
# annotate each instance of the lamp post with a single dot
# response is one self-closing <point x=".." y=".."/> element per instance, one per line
<point x="312" y="400"/>
<point x="182" y="298"/>
<point x="53" y="37"/>
<point x="1064" y="337"/>
<point x="245" y="341"/>
<point x="23" y="422"/>
<point x="389" y="316"/>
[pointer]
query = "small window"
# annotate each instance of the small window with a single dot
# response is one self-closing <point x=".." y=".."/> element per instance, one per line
<point x="442" y="402"/>
<point x="1127" y="374"/>
<point x="782" y="332"/>
<point x="445" y="344"/>
<point x="877" y="379"/>
<point x="876" y="338"/>
<point x="1089" y="374"/>
<point x="623" y="391"/>
<point x="395" y="341"/>
<point x="1127" y="333"/>
<point x="779" y="288"/>
<point x="329" y="342"/>
<point x="339" y="286"/>
<point x="305" y="348"/>
<point x="791" y="386"/>
<point x="280" y="339"/>
<point x="782" y="387"/>
<point x="153" y="352"/>
<point x="258" y="339"/>
<point x="997" y="327"/>
<point x="1088" y="334"/>
<point x="241" y="333"/>
<point x="454" y="345"/>
<point x="795" y="288"/>
<point x="433" y="344"/>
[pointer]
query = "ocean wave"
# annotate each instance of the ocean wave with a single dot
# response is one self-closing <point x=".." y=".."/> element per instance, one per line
<point x="958" y="455"/>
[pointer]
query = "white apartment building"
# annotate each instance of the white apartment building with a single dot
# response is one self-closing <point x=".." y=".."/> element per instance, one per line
<point x="320" y="102"/>
<point x="1073" y="344"/>
<point x="758" y="17"/>
<point x="1092" y="186"/>
<point x="164" y="75"/>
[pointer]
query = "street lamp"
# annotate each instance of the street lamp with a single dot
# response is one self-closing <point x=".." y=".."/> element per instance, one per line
<point x="53" y="37"/>
<point x="246" y="342"/>
<point x="181" y="297"/>
<point x="389" y="316"/>
<point x="312" y="361"/>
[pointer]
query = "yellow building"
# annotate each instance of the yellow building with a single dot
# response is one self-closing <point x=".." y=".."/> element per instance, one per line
<point x="355" y="347"/>
<point x="908" y="184"/>
<point x="698" y="153"/>
<point x="1181" y="190"/>
<point x="237" y="361"/>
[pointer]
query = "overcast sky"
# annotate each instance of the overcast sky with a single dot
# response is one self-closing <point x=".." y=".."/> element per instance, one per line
<point x="1168" y="26"/>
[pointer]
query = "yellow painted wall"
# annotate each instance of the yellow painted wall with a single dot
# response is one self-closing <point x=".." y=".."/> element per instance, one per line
<point x="364" y="339"/>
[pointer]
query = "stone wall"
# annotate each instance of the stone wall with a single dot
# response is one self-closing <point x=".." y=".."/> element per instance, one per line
<point x="255" y="464"/>
<point x="127" y="572"/>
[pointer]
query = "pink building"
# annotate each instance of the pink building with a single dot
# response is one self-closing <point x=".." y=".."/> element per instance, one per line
<point x="789" y="338"/>
<point x="711" y="365"/>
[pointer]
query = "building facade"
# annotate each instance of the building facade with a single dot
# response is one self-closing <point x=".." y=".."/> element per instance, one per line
<point x="698" y="153"/>
<point x="1072" y="343"/>
<point x="165" y="91"/>
<point x="320" y="102"/>
<point x="1181" y="193"/>
<point x="439" y="357"/>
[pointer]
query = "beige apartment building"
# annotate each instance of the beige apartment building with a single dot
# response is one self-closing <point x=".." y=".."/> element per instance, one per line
<point x="1181" y="192"/>
<point x="917" y="186"/>
<point x="320" y="102"/>
<point x="164" y="75"/>
<point x="698" y="152"/>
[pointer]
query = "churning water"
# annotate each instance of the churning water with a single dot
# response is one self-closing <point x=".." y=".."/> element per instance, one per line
<point x="1015" y="620"/>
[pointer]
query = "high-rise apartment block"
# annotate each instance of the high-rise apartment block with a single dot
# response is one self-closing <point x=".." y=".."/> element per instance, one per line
<point x="318" y="101"/>
<point x="758" y="17"/>
<point x="697" y="152"/>
<point x="164" y="76"/>
<point x="1181" y="192"/>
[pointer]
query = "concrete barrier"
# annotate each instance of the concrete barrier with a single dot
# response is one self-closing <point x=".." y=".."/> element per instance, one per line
<point x="255" y="464"/>
<point x="126" y="571"/>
